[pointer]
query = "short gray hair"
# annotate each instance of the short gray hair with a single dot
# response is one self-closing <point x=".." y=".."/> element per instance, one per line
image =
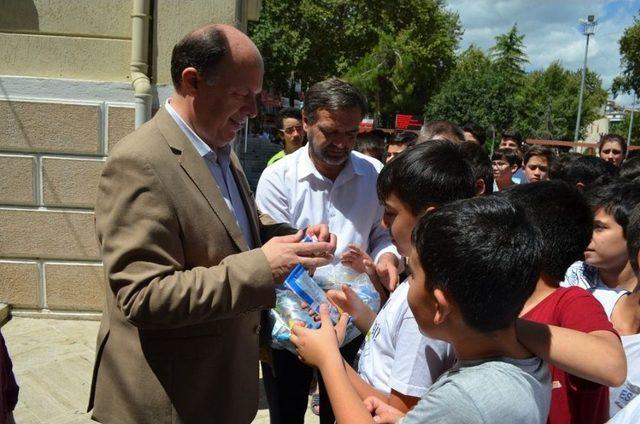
<point x="332" y="95"/>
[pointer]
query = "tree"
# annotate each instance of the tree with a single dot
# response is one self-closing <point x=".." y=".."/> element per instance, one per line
<point x="541" y="104"/>
<point x="629" y="81"/>
<point x="547" y="102"/>
<point x="397" y="51"/>
<point x="622" y="128"/>
<point x="475" y="92"/>
<point x="414" y="54"/>
<point x="509" y="56"/>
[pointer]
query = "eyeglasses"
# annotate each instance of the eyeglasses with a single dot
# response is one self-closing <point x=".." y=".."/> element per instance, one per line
<point x="291" y="130"/>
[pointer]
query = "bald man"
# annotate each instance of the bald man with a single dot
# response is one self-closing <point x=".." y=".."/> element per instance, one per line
<point x="181" y="241"/>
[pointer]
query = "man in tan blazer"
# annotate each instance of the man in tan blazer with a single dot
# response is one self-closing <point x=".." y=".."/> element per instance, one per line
<point x="181" y="242"/>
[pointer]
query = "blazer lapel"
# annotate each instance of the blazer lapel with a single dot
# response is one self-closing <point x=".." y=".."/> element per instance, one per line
<point x="194" y="165"/>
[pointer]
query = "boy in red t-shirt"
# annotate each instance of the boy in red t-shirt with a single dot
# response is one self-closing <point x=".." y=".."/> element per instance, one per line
<point x="586" y="355"/>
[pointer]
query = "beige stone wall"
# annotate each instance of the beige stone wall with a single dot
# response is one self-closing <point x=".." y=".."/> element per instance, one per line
<point x="51" y="156"/>
<point x="83" y="39"/>
<point x="53" y="143"/>
<point x="91" y="39"/>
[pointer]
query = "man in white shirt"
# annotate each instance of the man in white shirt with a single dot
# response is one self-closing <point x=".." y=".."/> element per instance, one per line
<point x="327" y="182"/>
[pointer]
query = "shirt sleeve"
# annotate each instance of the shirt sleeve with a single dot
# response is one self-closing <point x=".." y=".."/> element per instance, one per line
<point x="446" y="405"/>
<point x="418" y="360"/>
<point x="270" y="196"/>
<point x="580" y="310"/>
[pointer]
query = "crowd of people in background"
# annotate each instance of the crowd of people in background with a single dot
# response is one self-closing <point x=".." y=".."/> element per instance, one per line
<point x="570" y="287"/>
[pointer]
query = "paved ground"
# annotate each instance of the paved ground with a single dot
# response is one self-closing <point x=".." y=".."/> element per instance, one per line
<point x="52" y="361"/>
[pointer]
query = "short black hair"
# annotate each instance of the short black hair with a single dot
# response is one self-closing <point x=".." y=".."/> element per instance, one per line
<point x="332" y="95"/>
<point x="203" y="50"/>
<point x="630" y="168"/>
<point x="440" y="129"/>
<point x="586" y="170"/>
<point x="633" y="237"/>
<point x="537" y="150"/>
<point x="373" y="142"/>
<point x="512" y="135"/>
<point x="427" y="174"/>
<point x="288" y="112"/>
<point x="506" y="154"/>
<point x="402" y="138"/>
<point x="481" y="164"/>
<point x="485" y="254"/>
<point x="478" y="132"/>
<point x="613" y="137"/>
<point x="563" y="217"/>
<point x="558" y="168"/>
<point x="617" y="197"/>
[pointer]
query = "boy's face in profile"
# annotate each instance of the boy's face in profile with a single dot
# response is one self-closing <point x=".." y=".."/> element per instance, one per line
<point x="421" y="300"/>
<point x="399" y="220"/>
<point x="394" y="149"/>
<point x="608" y="247"/>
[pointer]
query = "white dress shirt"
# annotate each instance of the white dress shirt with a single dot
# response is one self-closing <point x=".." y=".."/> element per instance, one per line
<point x="218" y="161"/>
<point x="293" y="191"/>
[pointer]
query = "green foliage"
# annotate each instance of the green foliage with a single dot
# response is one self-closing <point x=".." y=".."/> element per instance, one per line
<point x="495" y="92"/>
<point x="475" y="92"/>
<point x="547" y="103"/>
<point x="398" y="52"/>
<point x="629" y="81"/>
<point x="509" y="56"/>
<point x="622" y="128"/>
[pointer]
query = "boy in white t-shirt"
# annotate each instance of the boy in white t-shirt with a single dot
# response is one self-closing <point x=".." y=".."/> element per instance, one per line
<point x="624" y="401"/>
<point x="397" y="363"/>
<point x="606" y="271"/>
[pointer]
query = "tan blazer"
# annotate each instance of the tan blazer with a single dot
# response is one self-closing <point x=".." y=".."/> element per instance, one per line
<point x="178" y="341"/>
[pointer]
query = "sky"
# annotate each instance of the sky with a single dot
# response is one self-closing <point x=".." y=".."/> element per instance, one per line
<point x="552" y="31"/>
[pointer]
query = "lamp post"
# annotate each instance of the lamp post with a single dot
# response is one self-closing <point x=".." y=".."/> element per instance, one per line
<point x="633" y="107"/>
<point x="588" y="29"/>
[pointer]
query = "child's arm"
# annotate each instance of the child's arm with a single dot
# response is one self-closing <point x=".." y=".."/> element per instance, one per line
<point x="348" y="301"/>
<point x="320" y="348"/>
<point x="596" y="356"/>
<point x="397" y="400"/>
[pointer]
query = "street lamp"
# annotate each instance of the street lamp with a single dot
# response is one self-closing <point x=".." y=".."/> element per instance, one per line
<point x="633" y="107"/>
<point x="588" y="29"/>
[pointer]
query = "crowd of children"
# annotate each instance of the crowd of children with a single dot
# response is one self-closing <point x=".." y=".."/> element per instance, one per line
<point x="521" y="306"/>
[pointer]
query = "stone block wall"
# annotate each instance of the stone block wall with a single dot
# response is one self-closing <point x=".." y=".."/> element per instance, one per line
<point x="51" y="156"/>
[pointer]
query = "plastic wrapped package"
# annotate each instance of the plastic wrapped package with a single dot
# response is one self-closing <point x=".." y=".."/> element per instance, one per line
<point x="332" y="277"/>
<point x="288" y="309"/>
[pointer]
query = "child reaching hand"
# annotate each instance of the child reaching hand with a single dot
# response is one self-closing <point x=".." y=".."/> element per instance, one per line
<point x="468" y="257"/>
<point x="397" y="363"/>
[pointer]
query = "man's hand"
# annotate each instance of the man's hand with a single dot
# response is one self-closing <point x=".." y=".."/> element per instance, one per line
<point x="315" y="346"/>
<point x="283" y="253"/>
<point x="321" y="232"/>
<point x="382" y="412"/>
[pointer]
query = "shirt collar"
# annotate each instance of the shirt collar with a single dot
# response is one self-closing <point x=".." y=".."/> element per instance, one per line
<point x="203" y="148"/>
<point x="306" y="167"/>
